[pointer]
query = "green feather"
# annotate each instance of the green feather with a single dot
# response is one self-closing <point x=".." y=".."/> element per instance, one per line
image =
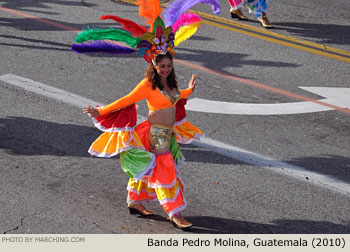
<point x="167" y="32"/>
<point x="111" y="34"/>
<point x="157" y="22"/>
<point x="148" y="36"/>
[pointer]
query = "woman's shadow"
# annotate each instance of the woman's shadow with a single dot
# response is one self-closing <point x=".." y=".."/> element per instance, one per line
<point x="27" y="136"/>
<point x="214" y="225"/>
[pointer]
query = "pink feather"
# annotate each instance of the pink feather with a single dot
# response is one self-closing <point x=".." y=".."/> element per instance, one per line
<point x="185" y="19"/>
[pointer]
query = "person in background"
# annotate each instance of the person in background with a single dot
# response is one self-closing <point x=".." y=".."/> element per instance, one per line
<point x="258" y="7"/>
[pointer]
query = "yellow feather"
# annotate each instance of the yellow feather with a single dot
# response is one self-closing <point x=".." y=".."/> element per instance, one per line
<point x="186" y="32"/>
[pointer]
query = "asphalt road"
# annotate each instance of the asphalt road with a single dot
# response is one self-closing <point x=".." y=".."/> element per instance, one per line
<point x="50" y="184"/>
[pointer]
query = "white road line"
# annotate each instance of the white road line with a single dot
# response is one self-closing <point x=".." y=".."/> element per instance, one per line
<point x="206" y="143"/>
<point x="45" y="90"/>
<point x="335" y="96"/>
<point x="274" y="165"/>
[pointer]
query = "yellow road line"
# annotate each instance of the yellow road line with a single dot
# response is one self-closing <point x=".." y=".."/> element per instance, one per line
<point x="311" y="47"/>
<point x="270" y="33"/>
<point x="281" y="42"/>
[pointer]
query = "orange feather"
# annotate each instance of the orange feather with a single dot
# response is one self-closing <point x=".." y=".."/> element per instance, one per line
<point x="150" y="10"/>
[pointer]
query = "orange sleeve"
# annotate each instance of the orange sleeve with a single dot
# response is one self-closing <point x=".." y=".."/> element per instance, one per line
<point x="139" y="93"/>
<point x="184" y="93"/>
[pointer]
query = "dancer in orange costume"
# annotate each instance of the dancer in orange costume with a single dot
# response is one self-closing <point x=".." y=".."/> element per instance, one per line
<point x="156" y="135"/>
<point x="149" y="152"/>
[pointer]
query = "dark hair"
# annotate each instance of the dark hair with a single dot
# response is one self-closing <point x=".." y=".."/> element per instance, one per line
<point x="152" y="75"/>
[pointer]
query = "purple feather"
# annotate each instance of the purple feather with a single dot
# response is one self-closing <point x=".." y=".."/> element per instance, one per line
<point x="144" y="43"/>
<point x="101" y="47"/>
<point x="174" y="10"/>
<point x="171" y="37"/>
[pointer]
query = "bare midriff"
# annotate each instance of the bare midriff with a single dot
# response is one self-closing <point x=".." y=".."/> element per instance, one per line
<point x="162" y="109"/>
<point x="160" y="120"/>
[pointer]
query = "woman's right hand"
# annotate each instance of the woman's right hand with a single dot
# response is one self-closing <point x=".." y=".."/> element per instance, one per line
<point x="92" y="111"/>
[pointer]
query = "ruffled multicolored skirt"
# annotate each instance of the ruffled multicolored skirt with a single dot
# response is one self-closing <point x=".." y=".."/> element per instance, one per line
<point x="152" y="177"/>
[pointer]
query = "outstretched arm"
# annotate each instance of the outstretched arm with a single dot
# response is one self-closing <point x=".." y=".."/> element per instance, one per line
<point x="139" y="93"/>
<point x="191" y="85"/>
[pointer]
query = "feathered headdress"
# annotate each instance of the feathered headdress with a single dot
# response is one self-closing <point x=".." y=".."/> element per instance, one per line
<point x="147" y="42"/>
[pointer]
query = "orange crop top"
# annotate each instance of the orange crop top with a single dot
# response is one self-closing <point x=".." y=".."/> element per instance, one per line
<point x="155" y="98"/>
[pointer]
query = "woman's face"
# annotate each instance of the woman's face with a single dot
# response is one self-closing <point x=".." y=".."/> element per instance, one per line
<point x="164" y="67"/>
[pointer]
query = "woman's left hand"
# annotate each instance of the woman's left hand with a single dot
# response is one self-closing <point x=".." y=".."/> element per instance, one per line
<point x="192" y="84"/>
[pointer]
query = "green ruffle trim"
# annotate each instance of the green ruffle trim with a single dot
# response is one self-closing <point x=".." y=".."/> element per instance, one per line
<point x="175" y="150"/>
<point x="136" y="163"/>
